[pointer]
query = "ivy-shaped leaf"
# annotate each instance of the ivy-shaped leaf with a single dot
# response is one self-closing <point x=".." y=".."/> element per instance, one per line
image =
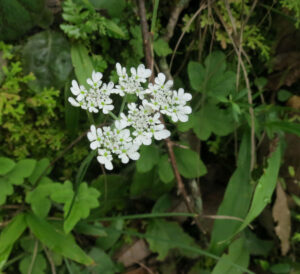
<point x="148" y="159"/>
<point x="47" y="55"/>
<point x="6" y="165"/>
<point x="40" y="198"/>
<point x="85" y="199"/>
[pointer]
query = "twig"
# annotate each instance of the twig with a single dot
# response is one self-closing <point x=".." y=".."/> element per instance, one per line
<point x="169" y="143"/>
<point x="35" y="250"/>
<point x="146" y="37"/>
<point x="53" y="270"/>
<point x="203" y="6"/>
<point x="250" y="101"/>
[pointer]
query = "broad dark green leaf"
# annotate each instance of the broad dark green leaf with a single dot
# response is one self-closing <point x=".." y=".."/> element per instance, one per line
<point x="265" y="188"/>
<point x="85" y="199"/>
<point x="148" y="185"/>
<point x="238" y="254"/>
<point x="6" y="165"/>
<point x="71" y="113"/>
<point x="189" y="163"/>
<point x="148" y="159"/>
<point x="103" y="263"/>
<point x="4" y="256"/>
<point x="196" y="74"/>
<point x="285" y="126"/>
<point x="19" y="16"/>
<point x="113" y="7"/>
<point x="236" y="200"/>
<point x="57" y="241"/>
<point x="12" y="232"/>
<point x="165" y="170"/>
<point x="114" y="190"/>
<point x="168" y="231"/>
<point x="47" y="55"/>
<point x="39" y="265"/>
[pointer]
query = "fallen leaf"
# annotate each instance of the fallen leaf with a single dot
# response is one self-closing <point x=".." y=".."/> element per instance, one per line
<point x="134" y="253"/>
<point x="282" y="215"/>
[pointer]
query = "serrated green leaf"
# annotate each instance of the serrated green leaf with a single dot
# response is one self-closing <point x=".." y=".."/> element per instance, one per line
<point x="113" y="28"/>
<point x="12" y="232"/>
<point x="47" y="55"/>
<point x="189" y="163"/>
<point x="40" y="198"/>
<point x="40" y="168"/>
<point x="166" y="231"/>
<point x="57" y="241"/>
<point x="148" y="159"/>
<point x="165" y="170"/>
<point x="86" y="199"/>
<point x="39" y="264"/>
<point x="161" y="47"/>
<point x="6" y="165"/>
<point x="22" y="169"/>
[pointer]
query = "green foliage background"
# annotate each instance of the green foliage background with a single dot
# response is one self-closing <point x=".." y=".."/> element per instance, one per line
<point x="61" y="213"/>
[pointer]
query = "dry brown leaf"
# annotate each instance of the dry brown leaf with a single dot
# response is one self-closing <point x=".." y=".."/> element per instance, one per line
<point x="134" y="253"/>
<point x="282" y="215"/>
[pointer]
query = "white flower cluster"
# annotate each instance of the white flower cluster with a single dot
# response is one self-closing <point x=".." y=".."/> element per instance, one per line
<point x="142" y="122"/>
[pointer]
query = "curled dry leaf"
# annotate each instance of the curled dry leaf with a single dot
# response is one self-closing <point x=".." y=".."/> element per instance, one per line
<point x="282" y="215"/>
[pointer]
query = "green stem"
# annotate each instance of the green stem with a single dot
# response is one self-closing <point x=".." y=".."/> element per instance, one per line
<point x="154" y="16"/>
<point x="147" y="216"/>
<point x="123" y="104"/>
<point x="90" y="117"/>
<point x="113" y="116"/>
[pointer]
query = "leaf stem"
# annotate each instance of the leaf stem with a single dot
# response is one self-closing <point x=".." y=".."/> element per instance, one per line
<point x="123" y="104"/>
<point x="154" y="16"/>
<point x="113" y="116"/>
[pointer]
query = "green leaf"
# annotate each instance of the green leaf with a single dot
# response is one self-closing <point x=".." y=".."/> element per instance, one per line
<point x="85" y="199"/>
<point x="165" y="170"/>
<point x="4" y="256"/>
<point x="114" y="232"/>
<point x="40" y="168"/>
<point x="148" y="159"/>
<point x="47" y="55"/>
<point x="114" y="7"/>
<point x="114" y="192"/>
<point x="114" y="29"/>
<point x="189" y="163"/>
<point x="71" y="113"/>
<point x="285" y="126"/>
<point x="196" y="74"/>
<point x="22" y="169"/>
<point x="6" y="165"/>
<point x="161" y="48"/>
<point x="211" y="119"/>
<point x="12" y="232"/>
<point x="171" y="234"/>
<point x="104" y="263"/>
<point x="148" y="185"/>
<point x="6" y="189"/>
<point x="238" y="254"/>
<point x="40" y="198"/>
<point x="39" y="264"/>
<point x="236" y="201"/>
<point x="283" y="95"/>
<point x="57" y="241"/>
<point x="265" y="188"/>
<point x="19" y="16"/>
<point x="82" y="63"/>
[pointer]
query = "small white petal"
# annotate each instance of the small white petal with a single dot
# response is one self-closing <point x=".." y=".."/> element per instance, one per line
<point x="73" y="102"/>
